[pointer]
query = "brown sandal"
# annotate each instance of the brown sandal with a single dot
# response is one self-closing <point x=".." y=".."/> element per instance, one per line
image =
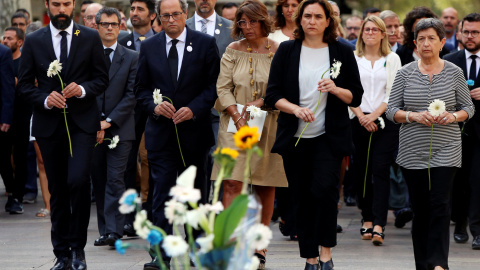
<point x="261" y="258"/>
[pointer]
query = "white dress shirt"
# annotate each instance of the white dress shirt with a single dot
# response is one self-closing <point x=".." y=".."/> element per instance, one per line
<point x="210" y="23"/>
<point x="374" y="83"/>
<point x="469" y="62"/>
<point x="56" y="40"/>
<point x="180" y="48"/>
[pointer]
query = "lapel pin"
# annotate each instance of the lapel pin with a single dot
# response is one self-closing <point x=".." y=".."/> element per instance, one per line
<point x="77" y="32"/>
<point x="220" y="24"/>
<point x="217" y="31"/>
<point x="189" y="48"/>
<point x="129" y="43"/>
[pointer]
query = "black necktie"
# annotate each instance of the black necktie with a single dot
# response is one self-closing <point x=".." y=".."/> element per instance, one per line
<point x="63" y="49"/>
<point x="173" y="61"/>
<point x="473" y="68"/>
<point x="108" y="51"/>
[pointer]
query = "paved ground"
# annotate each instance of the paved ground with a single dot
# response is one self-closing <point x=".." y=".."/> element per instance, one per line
<point x="25" y="244"/>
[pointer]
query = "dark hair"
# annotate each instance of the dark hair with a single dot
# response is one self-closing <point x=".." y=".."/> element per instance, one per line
<point x="254" y="10"/>
<point x="330" y="34"/>
<point x="150" y="4"/>
<point x="279" y="19"/>
<point x="229" y="5"/>
<point x="472" y="17"/>
<point x="19" y="15"/>
<point x="86" y="2"/>
<point x="19" y="33"/>
<point x="109" y="11"/>
<point x="370" y="10"/>
<point x="428" y="23"/>
<point x="24" y="11"/>
<point x="410" y="18"/>
<point x="183" y="6"/>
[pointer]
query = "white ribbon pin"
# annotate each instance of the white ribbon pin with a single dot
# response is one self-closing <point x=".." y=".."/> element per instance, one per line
<point x="129" y="43"/>
<point x="217" y="31"/>
<point x="189" y="48"/>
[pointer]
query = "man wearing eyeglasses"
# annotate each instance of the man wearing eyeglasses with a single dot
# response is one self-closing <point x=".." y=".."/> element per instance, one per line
<point x="84" y="74"/>
<point x="116" y="108"/>
<point x="184" y="64"/>
<point x="83" y="8"/>
<point x="466" y="195"/>
<point x="20" y="21"/>
<point x="353" y="27"/>
<point x="90" y="13"/>
<point x="392" y="24"/>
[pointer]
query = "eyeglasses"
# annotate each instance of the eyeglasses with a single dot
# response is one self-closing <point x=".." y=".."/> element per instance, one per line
<point x="244" y="24"/>
<point x="107" y="24"/>
<point x="18" y="24"/>
<point x="466" y="33"/>
<point x="166" y="17"/>
<point x="89" y="18"/>
<point x="350" y="28"/>
<point x="374" y="30"/>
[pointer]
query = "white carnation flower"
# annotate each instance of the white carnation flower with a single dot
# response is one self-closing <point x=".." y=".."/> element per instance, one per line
<point x="184" y="194"/>
<point x="335" y="69"/>
<point x="195" y="216"/>
<point x="174" y="245"/>
<point x="217" y="207"/>
<point x="436" y="107"/>
<point x="205" y="243"/>
<point x="254" y="111"/>
<point x="54" y="68"/>
<point x="187" y="178"/>
<point x="157" y="97"/>
<point x="142" y="224"/>
<point x="259" y="236"/>
<point x="381" y="122"/>
<point x="114" y="142"/>
<point x="175" y="212"/>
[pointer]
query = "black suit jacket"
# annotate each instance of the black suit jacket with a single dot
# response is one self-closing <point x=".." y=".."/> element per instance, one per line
<point x="283" y="83"/>
<point x="7" y="85"/>
<point x="406" y="54"/>
<point x="196" y="89"/>
<point x="458" y="58"/>
<point x="124" y="41"/>
<point x="119" y="97"/>
<point x="86" y="67"/>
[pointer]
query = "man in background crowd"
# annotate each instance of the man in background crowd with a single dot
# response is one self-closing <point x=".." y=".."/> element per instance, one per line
<point x="450" y="21"/>
<point x="352" y="25"/>
<point x="229" y="10"/>
<point x="90" y="13"/>
<point x="83" y="7"/>
<point x="392" y="23"/>
<point x="20" y="21"/>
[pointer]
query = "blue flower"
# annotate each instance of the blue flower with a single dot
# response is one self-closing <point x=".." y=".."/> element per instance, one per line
<point x="470" y="82"/>
<point x="154" y="237"/>
<point x="120" y="247"/>
<point x="130" y="199"/>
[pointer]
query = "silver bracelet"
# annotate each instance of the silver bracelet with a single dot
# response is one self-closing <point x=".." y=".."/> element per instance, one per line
<point x="406" y="117"/>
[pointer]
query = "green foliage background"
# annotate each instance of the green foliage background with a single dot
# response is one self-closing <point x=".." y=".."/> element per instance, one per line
<point x="402" y="7"/>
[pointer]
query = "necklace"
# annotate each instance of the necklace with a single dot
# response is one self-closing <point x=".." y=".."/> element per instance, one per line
<point x="250" y="71"/>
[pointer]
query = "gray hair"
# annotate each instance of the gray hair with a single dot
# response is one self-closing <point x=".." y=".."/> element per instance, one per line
<point x="388" y="14"/>
<point x="183" y="6"/>
<point x="333" y="3"/>
<point x="109" y="11"/>
<point x="427" y="23"/>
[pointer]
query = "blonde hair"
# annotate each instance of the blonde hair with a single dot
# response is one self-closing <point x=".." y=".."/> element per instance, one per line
<point x="384" y="45"/>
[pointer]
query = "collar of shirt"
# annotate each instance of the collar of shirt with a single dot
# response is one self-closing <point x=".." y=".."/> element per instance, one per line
<point x="147" y="35"/>
<point x="56" y="32"/>
<point x="469" y="61"/>
<point x="113" y="47"/>
<point x="180" y="47"/>
<point x="57" y="38"/>
<point x="210" y="23"/>
<point x="468" y="54"/>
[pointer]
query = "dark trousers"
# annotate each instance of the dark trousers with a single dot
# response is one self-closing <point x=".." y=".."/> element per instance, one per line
<point x="165" y="166"/>
<point x="108" y="168"/>
<point x="431" y="209"/>
<point x="384" y="143"/>
<point x="69" y="185"/>
<point x="474" y="179"/>
<point x="313" y="172"/>
<point x="6" y="169"/>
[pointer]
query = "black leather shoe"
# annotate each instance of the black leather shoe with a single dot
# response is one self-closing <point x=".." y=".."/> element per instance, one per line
<point x="339" y="228"/>
<point x="460" y="234"/>
<point x="129" y="231"/>
<point x="403" y="216"/>
<point x="111" y="239"/>
<point x="78" y="260"/>
<point x="325" y="265"/>
<point x="311" y="266"/>
<point x="100" y="241"/>
<point x="476" y="243"/>
<point x="61" y="264"/>
<point x="153" y="265"/>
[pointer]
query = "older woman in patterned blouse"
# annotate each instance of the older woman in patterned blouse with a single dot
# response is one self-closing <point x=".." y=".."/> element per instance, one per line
<point x="416" y="85"/>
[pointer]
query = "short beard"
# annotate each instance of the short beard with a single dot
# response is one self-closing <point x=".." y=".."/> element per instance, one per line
<point x="14" y="48"/>
<point x="474" y="49"/>
<point x="59" y="24"/>
<point x="205" y="10"/>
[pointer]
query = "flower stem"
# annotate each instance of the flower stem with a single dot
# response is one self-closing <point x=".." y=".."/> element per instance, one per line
<point x="159" y="258"/>
<point x="429" y="157"/>
<point x="318" y="103"/>
<point x="192" y="246"/>
<point x="175" y="259"/>
<point x="65" y="116"/>
<point x="178" y="140"/>
<point x="366" y="167"/>
<point x="246" y="172"/>
<point x="105" y="139"/>
<point x="218" y="184"/>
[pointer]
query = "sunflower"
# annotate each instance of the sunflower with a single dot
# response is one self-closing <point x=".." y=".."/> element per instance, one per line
<point x="246" y="137"/>
<point x="232" y="153"/>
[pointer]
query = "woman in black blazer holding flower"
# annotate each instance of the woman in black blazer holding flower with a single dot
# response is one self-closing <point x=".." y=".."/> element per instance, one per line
<point x="313" y="166"/>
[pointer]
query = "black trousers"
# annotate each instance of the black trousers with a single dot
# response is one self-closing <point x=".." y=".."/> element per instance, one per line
<point x="431" y="209"/>
<point x="384" y="143"/>
<point x="69" y="185"/>
<point x="313" y="172"/>
<point x="165" y="166"/>
<point x="108" y="168"/>
<point x="6" y="169"/>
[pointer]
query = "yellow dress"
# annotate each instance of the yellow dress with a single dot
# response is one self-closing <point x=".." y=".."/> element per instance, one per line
<point x="233" y="87"/>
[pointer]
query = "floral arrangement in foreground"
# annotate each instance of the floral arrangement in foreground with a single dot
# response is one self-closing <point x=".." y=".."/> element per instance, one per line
<point x="230" y="235"/>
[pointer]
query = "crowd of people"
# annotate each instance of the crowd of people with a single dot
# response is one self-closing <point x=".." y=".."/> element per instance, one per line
<point x="380" y="110"/>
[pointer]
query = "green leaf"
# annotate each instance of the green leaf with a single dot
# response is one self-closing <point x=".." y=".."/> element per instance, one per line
<point x="228" y="220"/>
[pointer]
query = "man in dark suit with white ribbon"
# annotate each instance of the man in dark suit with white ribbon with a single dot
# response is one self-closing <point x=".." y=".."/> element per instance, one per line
<point x="84" y="74"/>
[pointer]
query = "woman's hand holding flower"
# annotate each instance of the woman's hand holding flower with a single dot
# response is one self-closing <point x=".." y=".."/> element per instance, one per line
<point x="326" y="86"/>
<point x="304" y="113"/>
<point x="371" y="127"/>
<point x="165" y="109"/>
<point x="445" y="118"/>
<point x="257" y="103"/>
<point x="424" y="118"/>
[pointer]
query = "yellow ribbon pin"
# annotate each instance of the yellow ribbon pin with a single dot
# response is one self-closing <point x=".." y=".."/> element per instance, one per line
<point x="220" y="24"/>
<point x="77" y="32"/>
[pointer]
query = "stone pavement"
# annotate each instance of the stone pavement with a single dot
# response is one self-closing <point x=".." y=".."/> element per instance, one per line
<point x="25" y="244"/>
